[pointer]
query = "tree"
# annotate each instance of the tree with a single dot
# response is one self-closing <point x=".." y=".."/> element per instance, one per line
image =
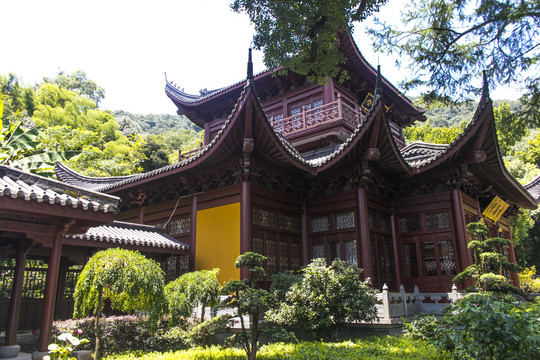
<point x="489" y="264"/>
<point x="153" y="154"/>
<point x="248" y="300"/>
<point x="79" y="83"/>
<point x="326" y="299"/>
<point x="301" y="36"/>
<point x="450" y="43"/>
<point x="129" y="280"/>
<point x="192" y="289"/>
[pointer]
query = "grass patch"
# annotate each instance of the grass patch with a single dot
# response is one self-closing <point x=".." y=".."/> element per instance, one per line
<point x="367" y="349"/>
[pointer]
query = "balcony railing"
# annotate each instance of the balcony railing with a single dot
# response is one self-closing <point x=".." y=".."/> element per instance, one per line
<point x="307" y="119"/>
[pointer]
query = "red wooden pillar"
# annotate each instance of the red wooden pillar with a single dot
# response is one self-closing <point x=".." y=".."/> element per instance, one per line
<point x="50" y="292"/>
<point x="193" y="228"/>
<point x="306" y="249"/>
<point x="513" y="275"/>
<point x="396" y="243"/>
<point x="245" y="223"/>
<point x="460" y="228"/>
<point x="16" y="295"/>
<point x="364" y="241"/>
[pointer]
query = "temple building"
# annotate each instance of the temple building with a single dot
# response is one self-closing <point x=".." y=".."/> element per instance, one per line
<point x="296" y="170"/>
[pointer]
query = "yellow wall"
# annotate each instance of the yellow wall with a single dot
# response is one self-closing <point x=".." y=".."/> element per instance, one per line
<point x="218" y="240"/>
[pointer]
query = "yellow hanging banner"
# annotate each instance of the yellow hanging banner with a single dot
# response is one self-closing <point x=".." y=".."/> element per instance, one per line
<point x="495" y="209"/>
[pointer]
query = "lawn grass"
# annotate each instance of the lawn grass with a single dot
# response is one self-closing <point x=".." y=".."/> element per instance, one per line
<point x="371" y="348"/>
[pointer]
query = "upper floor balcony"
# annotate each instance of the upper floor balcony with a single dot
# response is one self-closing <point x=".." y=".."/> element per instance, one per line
<point x="305" y="119"/>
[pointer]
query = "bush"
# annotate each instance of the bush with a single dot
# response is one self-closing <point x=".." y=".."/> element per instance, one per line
<point x="528" y="281"/>
<point x="127" y="333"/>
<point x="484" y="326"/>
<point x="326" y="299"/>
<point x="383" y="348"/>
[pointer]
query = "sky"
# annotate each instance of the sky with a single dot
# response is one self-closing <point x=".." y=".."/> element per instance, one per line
<point x="126" y="47"/>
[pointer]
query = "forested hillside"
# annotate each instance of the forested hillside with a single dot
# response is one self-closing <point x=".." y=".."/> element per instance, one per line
<point x="64" y="112"/>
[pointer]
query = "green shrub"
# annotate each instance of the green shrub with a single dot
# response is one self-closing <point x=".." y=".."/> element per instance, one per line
<point x="527" y="280"/>
<point x="377" y="348"/>
<point x="484" y="326"/>
<point x="325" y="299"/>
<point x="126" y="333"/>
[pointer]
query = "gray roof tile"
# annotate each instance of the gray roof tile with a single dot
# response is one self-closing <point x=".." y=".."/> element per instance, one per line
<point x="124" y="233"/>
<point x="16" y="183"/>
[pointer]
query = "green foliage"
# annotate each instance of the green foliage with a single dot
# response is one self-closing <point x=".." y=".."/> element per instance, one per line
<point x="375" y="348"/>
<point x="156" y="123"/>
<point x="484" y="326"/>
<point x="436" y="135"/>
<point x="489" y="265"/>
<point x="129" y="333"/>
<point x="282" y="283"/>
<point x="79" y="83"/>
<point x="247" y="300"/>
<point x="301" y="36"/>
<point x="449" y="44"/>
<point x="528" y="281"/>
<point x="197" y="287"/>
<point x="153" y="153"/>
<point x="326" y="299"/>
<point x="129" y="280"/>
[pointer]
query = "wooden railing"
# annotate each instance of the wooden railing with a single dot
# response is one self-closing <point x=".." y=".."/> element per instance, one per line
<point x="337" y="110"/>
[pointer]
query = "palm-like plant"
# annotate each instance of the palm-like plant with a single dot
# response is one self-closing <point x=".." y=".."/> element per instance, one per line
<point x="20" y="148"/>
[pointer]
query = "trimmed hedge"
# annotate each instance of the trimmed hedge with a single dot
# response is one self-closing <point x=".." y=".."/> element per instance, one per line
<point x="369" y="349"/>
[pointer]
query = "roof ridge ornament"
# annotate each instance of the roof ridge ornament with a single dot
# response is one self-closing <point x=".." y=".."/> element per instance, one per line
<point x="250" y="66"/>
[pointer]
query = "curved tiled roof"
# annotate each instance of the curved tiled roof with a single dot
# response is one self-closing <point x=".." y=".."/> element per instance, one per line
<point x="419" y="152"/>
<point x="174" y="92"/>
<point x="533" y="188"/>
<point x="123" y="233"/>
<point x="69" y="176"/>
<point x="16" y="183"/>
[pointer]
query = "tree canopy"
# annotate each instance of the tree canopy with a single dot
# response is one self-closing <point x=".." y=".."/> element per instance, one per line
<point x="448" y="44"/>
<point x="301" y="35"/>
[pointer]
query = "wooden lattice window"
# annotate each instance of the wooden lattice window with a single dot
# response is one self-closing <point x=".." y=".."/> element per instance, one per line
<point x="410" y="260"/>
<point x="410" y="223"/>
<point x="320" y="224"/>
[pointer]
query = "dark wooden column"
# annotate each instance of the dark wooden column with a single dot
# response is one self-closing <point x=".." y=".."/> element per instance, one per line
<point x="364" y="241"/>
<point x="463" y="258"/>
<point x="396" y="243"/>
<point x="245" y="223"/>
<point x="50" y="292"/>
<point x="193" y="228"/>
<point x="16" y="294"/>
<point x="306" y="249"/>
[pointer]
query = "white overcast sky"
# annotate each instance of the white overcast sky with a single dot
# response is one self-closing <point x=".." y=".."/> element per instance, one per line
<point x="128" y="46"/>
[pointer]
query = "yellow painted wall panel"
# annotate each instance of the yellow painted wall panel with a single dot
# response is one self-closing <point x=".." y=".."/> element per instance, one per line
<point x="218" y="240"/>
